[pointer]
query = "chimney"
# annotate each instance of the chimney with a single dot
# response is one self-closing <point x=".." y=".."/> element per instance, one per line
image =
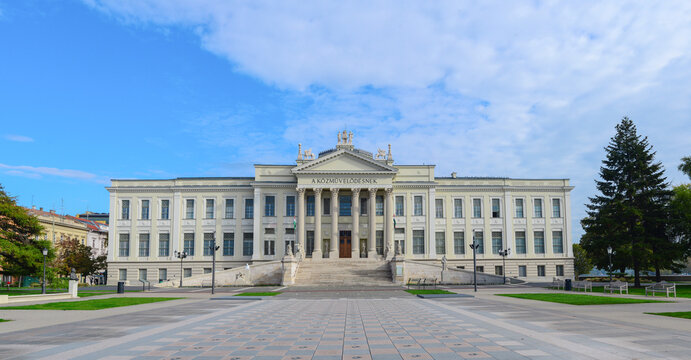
<point x="52" y="211"/>
<point x="453" y="175"/>
<point x="40" y="208"/>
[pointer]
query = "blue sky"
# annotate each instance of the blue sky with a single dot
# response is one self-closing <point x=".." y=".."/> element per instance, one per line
<point x="97" y="89"/>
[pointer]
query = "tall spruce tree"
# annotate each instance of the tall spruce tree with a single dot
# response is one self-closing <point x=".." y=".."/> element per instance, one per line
<point x="631" y="212"/>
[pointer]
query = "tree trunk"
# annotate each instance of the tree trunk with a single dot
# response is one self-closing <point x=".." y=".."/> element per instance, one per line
<point x="636" y="273"/>
<point x="658" y="278"/>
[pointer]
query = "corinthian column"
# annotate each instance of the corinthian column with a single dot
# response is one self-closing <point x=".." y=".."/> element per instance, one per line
<point x="355" y="236"/>
<point x="371" y="241"/>
<point x="333" y="249"/>
<point x="301" y="220"/>
<point x="317" y="252"/>
<point x="388" y="222"/>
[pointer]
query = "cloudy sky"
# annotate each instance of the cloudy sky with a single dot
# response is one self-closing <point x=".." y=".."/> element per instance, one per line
<point x="98" y="89"/>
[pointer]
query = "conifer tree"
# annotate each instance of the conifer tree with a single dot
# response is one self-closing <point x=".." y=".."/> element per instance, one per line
<point x="630" y="212"/>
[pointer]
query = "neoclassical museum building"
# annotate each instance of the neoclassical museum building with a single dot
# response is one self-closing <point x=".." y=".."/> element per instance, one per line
<point x="344" y="203"/>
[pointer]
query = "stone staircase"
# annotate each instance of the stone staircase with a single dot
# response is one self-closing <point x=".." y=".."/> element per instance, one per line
<point x="343" y="272"/>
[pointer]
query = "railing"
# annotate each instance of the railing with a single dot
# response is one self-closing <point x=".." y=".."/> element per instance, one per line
<point x="145" y="283"/>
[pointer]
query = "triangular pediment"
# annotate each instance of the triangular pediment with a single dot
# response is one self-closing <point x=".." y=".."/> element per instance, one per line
<point x="343" y="161"/>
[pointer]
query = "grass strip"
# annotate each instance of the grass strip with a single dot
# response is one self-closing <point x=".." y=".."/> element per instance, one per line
<point x="575" y="299"/>
<point x="265" y="293"/>
<point x="429" y="292"/>
<point x="678" y="314"/>
<point x="96" y="304"/>
<point x="3" y="320"/>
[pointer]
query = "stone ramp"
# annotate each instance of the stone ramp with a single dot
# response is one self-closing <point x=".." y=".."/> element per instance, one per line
<point x="343" y="273"/>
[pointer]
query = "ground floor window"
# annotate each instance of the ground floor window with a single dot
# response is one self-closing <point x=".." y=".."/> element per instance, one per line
<point x="143" y="245"/>
<point x="539" y="240"/>
<point x="380" y="242"/>
<point x="269" y="247"/>
<point x="520" y="242"/>
<point x="440" y="240"/>
<point x="142" y="274"/>
<point x="189" y="243"/>
<point x="479" y="240"/>
<point x="122" y="274"/>
<point x="247" y="244"/>
<point x="522" y="271"/>
<point x="418" y="241"/>
<point x="228" y="244"/>
<point x="459" y="242"/>
<point x="309" y="243"/>
<point x="187" y="272"/>
<point x="480" y="269"/>
<point x="208" y="244"/>
<point x="498" y="270"/>
<point x="162" y="275"/>
<point x="496" y="242"/>
<point x="557" y="242"/>
<point x="541" y="270"/>
<point x="560" y="270"/>
<point x="207" y="270"/>
<point x="163" y="244"/>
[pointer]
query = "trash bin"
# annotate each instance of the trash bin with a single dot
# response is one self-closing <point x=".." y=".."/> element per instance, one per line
<point x="121" y="287"/>
<point x="567" y="285"/>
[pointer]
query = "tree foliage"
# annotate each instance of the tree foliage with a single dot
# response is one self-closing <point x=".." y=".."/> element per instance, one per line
<point x="74" y="255"/>
<point x="680" y="217"/>
<point x="685" y="166"/>
<point x="630" y="213"/>
<point x="582" y="263"/>
<point x="20" y="247"/>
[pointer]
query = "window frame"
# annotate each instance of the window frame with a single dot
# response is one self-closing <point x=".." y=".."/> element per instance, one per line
<point x="226" y="207"/>
<point x="125" y="211"/>
<point x="457" y="209"/>
<point x="460" y="246"/>
<point x="269" y="207"/>
<point x="141" y="209"/>
<point x="290" y="211"/>
<point x="475" y="213"/>
<point x="206" y="208"/>
<point x="144" y="250"/>
<point x="496" y="214"/>
<point x="399" y="210"/>
<point x="541" y="215"/>
<point x="439" y="208"/>
<point x="248" y="206"/>
<point x="187" y="209"/>
<point x="421" y="204"/>
<point x="536" y="244"/>
<point x="229" y="250"/>
<point x="557" y="208"/>
<point x="516" y="207"/>
<point x="160" y="213"/>
<point x="161" y="248"/>
<point x="437" y="244"/>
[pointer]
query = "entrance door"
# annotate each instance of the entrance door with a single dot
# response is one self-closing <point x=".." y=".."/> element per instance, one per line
<point x="344" y="244"/>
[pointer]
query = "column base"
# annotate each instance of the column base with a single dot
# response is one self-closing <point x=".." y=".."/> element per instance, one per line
<point x="372" y="254"/>
<point x="355" y="253"/>
<point x="333" y="254"/>
<point x="317" y="254"/>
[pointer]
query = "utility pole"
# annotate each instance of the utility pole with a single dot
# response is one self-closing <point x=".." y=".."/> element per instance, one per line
<point x="214" y="247"/>
<point x="474" y="246"/>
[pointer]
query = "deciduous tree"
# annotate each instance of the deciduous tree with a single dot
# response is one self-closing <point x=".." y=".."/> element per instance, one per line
<point x="582" y="263"/>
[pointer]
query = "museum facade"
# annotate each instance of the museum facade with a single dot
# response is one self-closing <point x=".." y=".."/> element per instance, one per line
<point x="343" y="203"/>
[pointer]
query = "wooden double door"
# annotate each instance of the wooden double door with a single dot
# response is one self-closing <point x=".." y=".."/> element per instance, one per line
<point x="344" y="244"/>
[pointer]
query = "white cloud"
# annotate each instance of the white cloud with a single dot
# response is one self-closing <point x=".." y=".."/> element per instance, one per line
<point x="520" y="89"/>
<point x="38" y="172"/>
<point x="18" y="138"/>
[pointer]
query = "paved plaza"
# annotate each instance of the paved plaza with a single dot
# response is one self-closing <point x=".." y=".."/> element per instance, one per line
<point x="312" y="323"/>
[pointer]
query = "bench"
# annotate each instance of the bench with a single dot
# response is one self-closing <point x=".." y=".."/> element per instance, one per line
<point x="420" y="282"/>
<point x="585" y="285"/>
<point x="558" y="283"/>
<point x="661" y="287"/>
<point x="617" y="285"/>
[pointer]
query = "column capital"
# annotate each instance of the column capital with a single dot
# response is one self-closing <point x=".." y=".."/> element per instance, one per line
<point x="301" y="190"/>
<point x="356" y="192"/>
<point x="334" y="192"/>
<point x="389" y="191"/>
<point x="372" y="192"/>
<point x="317" y="191"/>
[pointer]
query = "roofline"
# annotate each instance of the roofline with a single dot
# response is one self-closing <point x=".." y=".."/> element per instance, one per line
<point x="193" y="178"/>
<point x="495" y="178"/>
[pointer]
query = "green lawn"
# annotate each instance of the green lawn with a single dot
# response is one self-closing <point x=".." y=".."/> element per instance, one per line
<point x="96" y="304"/>
<point x="265" y="293"/>
<point x="3" y="320"/>
<point x="576" y="299"/>
<point x="680" y="314"/>
<point x="82" y="293"/>
<point x="429" y="292"/>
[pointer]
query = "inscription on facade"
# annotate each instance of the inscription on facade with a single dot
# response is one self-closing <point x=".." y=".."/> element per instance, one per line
<point x="344" y="181"/>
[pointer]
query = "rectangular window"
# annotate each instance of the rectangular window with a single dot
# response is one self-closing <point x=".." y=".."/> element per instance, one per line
<point x="269" y="247"/>
<point x="270" y="231"/>
<point x="522" y="271"/>
<point x="496" y="213"/>
<point x="363" y="206"/>
<point x="520" y="242"/>
<point x="228" y="244"/>
<point x="207" y="270"/>
<point x="560" y="270"/>
<point x="326" y="205"/>
<point x="269" y="205"/>
<point x="537" y="208"/>
<point x="557" y="242"/>
<point x="480" y="268"/>
<point x="187" y="272"/>
<point x="162" y="275"/>
<point x="145" y="210"/>
<point x="498" y="270"/>
<point x="208" y="244"/>
<point x="539" y="240"/>
<point x="519" y="208"/>
<point x="556" y="208"/>
<point x="439" y="208"/>
<point x="345" y="205"/>
<point x="399" y="206"/>
<point x="122" y="274"/>
<point x="290" y="205"/>
<point x="230" y="208"/>
<point x="310" y="206"/>
<point x="459" y="242"/>
<point x="289" y="231"/>
<point x="380" y="242"/>
<point x="496" y="242"/>
<point x="417" y="205"/>
<point x="189" y="209"/>
<point x="125" y="208"/>
<point x="477" y="208"/>
<point x="210" y="213"/>
<point x="188" y="243"/>
<point x="247" y="244"/>
<point x="458" y="208"/>
<point x="143" y="245"/>
<point x="249" y="208"/>
<point x="418" y="241"/>
<point x="440" y="241"/>
<point x="541" y="270"/>
<point x="163" y="244"/>
<point x="165" y="209"/>
<point x="309" y="242"/>
<point x="124" y="245"/>
<point x="399" y="235"/>
<point x="478" y="238"/>
<point x="379" y="205"/>
<point x="142" y="274"/>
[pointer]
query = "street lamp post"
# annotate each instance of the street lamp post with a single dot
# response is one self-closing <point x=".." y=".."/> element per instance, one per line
<point x="474" y="246"/>
<point x="609" y="252"/>
<point x="214" y="247"/>
<point x="181" y="255"/>
<point x="43" y="286"/>
<point x="503" y="254"/>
